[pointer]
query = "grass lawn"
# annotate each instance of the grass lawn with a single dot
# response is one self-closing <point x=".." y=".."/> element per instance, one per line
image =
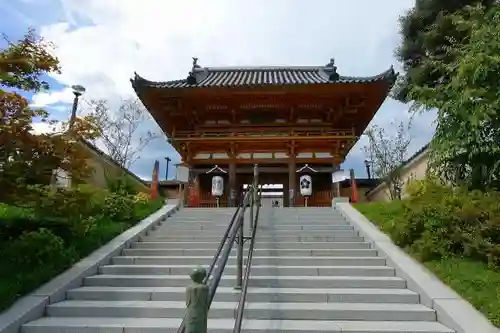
<point x="473" y="280"/>
<point x="17" y="281"/>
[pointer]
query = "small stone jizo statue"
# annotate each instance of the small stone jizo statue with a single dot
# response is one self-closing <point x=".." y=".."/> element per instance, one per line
<point x="197" y="302"/>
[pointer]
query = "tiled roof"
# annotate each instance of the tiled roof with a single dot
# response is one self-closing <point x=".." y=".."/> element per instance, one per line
<point x="255" y="76"/>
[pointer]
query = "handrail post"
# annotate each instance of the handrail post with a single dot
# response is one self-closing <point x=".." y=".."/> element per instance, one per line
<point x="252" y="203"/>
<point x="239" y="255"/>
<point x="255" y="193"/>
<point x="197" y="303"/>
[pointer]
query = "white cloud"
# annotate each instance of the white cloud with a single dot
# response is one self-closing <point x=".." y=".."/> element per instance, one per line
<point x="46" y="128"/>
<point x="157" y="38"/>
<point x="52" y="97"/>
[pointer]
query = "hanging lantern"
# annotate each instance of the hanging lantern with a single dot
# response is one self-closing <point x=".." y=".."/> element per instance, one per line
<point x="305" y="185"/>
<point x="217" y="186"/>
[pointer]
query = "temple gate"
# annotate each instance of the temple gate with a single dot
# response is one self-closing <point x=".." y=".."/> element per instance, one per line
<point x="282" y="118"/>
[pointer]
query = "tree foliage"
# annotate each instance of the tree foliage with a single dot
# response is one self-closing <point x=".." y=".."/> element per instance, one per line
<point x="427" y="31"/>
<point x="387" y="154"/>
<point x="25" y="157"/>
<point x="467" y="140"/>
<point x="121" y="131"/>
<point x="23" y="63"/>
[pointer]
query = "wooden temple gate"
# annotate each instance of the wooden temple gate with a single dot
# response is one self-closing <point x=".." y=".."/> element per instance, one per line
<point x="285" y="119"/>
<point x="322" y="195"/>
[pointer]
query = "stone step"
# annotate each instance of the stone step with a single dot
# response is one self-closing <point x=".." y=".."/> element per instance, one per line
<point x="299" y="224"/>
<point x="170" y="325"/>
<point x="389" y="282"/>
<point x="257" y="252"/>
<point x="259" y="244"/>
<point x="262" y="270"/>
<point x="253" y="310"/>
<point x="262" y="228"/>
<point x="207" y="218"/>
<point x="203" y="215"/>
<point x="304" y="221"/>
<point x="358" y="295"/>
<point x="278" y="225"/>
<point x="257" y="260"/>
<point x="284" y="218"/>
<point x="262" y="233"/>
<point x="260" y="238"/>
<point x="225" y="222"/>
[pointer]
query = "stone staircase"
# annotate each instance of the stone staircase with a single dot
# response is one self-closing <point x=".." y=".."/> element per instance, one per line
<point x="311" y="272"/>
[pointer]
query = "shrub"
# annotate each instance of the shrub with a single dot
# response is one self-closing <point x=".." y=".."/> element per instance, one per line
<point x="144" y="209"/>
<point x="67" y="212"/>
<point x="119" y="207"/>
<point x="121" y="185"/>
<point x="69" y="203"/>
<point x="37" y="248"/>
<point x="34" y="248"/>
<point x="141" y="197"/>
<point x="439" y="221"/>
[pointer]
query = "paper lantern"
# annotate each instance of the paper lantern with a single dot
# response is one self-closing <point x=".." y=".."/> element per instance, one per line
<point x="305" y="185"/>
<point x="217" y="186"/>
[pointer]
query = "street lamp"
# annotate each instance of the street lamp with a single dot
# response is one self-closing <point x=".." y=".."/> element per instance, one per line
<point x="166" y="170"/>
<point x="367" y="165"/>
<point x="78" y="90"/>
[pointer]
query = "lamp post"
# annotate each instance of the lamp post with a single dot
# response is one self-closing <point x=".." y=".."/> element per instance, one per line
<point x="367" y="165"/>
<point x="78" y="90"/>
<point x="166" y="170"/>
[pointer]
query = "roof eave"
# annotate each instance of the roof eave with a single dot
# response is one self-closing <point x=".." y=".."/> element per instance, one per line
<point x="138" y="82"/>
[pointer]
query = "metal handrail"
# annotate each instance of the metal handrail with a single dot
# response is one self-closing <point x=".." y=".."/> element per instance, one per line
<point x="243" y="297"/>
<point x="225" y="248"/>
<point x="221" y="245"/>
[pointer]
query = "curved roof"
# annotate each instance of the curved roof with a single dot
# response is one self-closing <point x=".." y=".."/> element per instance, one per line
<point x="204" y="77"/>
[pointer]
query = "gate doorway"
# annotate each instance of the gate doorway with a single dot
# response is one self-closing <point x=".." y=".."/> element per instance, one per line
<point x="271" y="195"/>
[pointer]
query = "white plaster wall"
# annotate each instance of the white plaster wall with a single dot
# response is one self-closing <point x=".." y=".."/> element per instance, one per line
<point x="415" y="170"/>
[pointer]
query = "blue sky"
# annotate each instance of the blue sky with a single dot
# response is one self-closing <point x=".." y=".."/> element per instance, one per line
<point x="101" y="43"/>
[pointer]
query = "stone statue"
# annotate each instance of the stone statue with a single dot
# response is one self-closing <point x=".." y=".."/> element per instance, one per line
<point x="197" y="302"/>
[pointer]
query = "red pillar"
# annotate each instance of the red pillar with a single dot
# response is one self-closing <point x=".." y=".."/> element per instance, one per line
<point x="154" y="181"/>
<point x="354" y="188"/>
<point x="193" y="191"/>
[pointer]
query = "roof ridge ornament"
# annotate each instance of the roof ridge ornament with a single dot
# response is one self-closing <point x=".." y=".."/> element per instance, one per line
<point x="305" y="168"/>
<point x="195" y="63"/>
<point x="191" y="79"/>
<point x="333" y="75"/>
<point x="216" y="168"/>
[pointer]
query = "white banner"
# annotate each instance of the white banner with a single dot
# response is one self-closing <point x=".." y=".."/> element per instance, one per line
<point x="340" y="175"/>
<point x="182" y="173"/>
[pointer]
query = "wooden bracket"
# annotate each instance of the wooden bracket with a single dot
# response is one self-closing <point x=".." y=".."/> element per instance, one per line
<point x="232" y="150"/>
<point x="291" y="148"/>
<point x="233" y="115"/>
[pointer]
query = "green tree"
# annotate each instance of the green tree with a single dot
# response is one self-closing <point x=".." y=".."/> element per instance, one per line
<point x="27" y="158"/>
<point x="466" y="145"/>
<point x="426" y="32"/>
